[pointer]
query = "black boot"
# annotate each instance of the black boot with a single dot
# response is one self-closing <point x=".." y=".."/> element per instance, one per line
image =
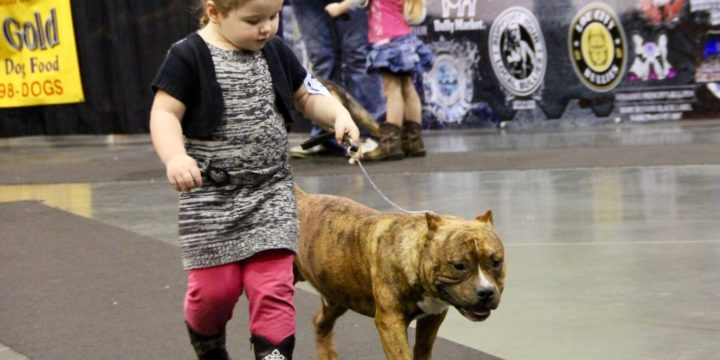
<point x="265" y="350"/>
<point x="208" y="347"/>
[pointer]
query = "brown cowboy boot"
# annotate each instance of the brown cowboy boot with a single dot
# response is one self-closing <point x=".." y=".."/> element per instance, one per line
<point x="412" y="143"/>
<point x="390" y="146"/>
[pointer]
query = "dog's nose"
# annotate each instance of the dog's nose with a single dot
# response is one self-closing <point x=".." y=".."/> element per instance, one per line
<point x="486" y="293"/>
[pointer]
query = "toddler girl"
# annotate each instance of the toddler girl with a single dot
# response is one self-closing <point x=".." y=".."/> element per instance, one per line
<point x="224" y="97"/>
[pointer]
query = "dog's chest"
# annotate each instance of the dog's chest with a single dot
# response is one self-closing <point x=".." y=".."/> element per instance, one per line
<point x="431" y="306"/>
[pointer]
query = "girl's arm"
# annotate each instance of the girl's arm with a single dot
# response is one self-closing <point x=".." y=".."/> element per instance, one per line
<point x="345" y="6"/>
<point x="167" y="137"/>
<point x="328" y="112"/>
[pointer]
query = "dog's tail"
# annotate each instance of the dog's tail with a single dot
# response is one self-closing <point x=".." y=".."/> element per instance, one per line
<point x="359" y="114"/>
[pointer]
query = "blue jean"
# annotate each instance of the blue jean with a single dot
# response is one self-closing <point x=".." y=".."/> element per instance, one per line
<point x="338" y="51"/>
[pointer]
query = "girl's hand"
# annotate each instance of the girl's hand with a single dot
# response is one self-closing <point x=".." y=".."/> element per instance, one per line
<point x="335" y="9"/>
<point x="345" y="125"/>
<point x="338" y="8"/>
<point x="183" y="173"/>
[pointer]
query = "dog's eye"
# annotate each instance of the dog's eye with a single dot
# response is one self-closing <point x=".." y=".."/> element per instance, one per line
<point x="496" y="263"/>
<point x="459" y="266"/>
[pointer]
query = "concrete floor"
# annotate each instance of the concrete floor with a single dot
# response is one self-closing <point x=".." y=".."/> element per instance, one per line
<point x="603" y="262"/>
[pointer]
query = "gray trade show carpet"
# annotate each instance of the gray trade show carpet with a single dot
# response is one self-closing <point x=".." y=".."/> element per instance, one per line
<point x="74" y="288"/>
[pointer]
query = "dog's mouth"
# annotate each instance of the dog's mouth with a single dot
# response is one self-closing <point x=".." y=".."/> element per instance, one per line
<point x="474" y="313"/>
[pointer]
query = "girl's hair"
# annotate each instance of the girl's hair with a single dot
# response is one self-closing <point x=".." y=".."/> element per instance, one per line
<point x="224" y="6"/>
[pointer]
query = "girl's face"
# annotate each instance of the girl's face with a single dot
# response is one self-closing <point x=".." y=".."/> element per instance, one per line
<point x="250" y="25"/>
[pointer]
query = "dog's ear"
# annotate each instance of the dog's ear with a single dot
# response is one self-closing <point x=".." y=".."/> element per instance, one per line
<point x="433" y="221"/>
<point x="486" y="217"/>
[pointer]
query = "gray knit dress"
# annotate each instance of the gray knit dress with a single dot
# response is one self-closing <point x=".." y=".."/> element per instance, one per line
<point x="224" y="224"/>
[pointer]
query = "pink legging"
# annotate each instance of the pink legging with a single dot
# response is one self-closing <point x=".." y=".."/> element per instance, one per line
<point x="267" y="279"/>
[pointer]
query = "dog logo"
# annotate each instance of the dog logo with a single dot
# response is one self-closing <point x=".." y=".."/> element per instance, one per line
<point x="460" y="7"/>
<point x="448" y="86"/>
<point x="458" y="15"/>
<point x="517" y="51"/>
<point x="598" y="47"/>
<point x="651" y="62"/>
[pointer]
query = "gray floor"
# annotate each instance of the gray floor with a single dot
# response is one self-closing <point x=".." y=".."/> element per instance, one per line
<point x="607" y="258"/>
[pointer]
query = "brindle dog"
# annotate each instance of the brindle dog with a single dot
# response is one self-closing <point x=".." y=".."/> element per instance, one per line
<point x="396" y="268"/>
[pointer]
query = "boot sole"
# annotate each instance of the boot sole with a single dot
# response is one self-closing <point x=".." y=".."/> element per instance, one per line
<point x="387" y="158"/>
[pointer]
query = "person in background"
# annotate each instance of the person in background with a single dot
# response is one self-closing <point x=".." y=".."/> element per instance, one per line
<point x="337" y="50"/>
<point x="224" y="97"/>
<point x="397" y="54"/>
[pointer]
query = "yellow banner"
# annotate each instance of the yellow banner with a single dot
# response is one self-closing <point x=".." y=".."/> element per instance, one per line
<point x="38" y="60"/>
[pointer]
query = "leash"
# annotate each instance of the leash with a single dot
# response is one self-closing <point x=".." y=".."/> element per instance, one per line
<point x="353" y="152"/>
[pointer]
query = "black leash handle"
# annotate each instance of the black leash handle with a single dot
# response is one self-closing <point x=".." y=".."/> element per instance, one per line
<point x="317" y="140"/>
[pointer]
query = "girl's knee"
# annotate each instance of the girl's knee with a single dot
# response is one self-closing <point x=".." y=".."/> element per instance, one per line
<point x="213" y="295"/>
<point x="215" y="285"/>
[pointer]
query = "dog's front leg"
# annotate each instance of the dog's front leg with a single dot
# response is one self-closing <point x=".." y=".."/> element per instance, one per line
<point x="392" y="327"/>
<point x="425" y="334"/>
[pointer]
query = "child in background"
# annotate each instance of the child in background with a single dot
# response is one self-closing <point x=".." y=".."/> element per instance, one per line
<point x="223" y="99"/>
<point x="398" y="55"/>
<point x="337" y="50"/>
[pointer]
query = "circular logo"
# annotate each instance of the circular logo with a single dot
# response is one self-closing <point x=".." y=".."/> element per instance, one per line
<point x="517" y="51"/>
<point x="597" y="47"/>
<point x="448" y="86"/>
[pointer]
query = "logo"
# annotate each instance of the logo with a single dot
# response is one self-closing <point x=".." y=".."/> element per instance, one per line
<point x="597" y="47"/>
<point x="710" y="6"/>
<point x="448" y="86"/>
<point x="517" y="51"/>
<point x="32" y="35"/>
<point x="460" y="6"/>
<point x="708" y="71"/>
<point x="461" y="20"/>
<point x="651" y="60"/>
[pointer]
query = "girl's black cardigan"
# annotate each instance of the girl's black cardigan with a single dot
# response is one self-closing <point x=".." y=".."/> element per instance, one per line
<point x="188" y="74"/>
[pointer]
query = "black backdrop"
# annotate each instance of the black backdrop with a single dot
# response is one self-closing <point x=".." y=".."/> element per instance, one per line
<point x="120" y="45"/>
